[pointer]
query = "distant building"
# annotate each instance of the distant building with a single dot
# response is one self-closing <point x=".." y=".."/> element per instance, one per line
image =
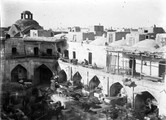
<point x="161" y="39"/>
<point x="75" y="29"/>
<point x="97" y="29"/>
<point x="80" y="36"/>
<point x="41" y="33"/>
<point x="115" y="36"/>
<point x="142" y="34"/>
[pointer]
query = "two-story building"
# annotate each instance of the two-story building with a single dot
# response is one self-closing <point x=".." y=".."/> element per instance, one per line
<point x="27" y="56"/>
<point x="113" y="64"/>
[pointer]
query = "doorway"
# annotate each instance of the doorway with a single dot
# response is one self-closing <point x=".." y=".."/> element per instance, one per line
<point x="18" y="73"/>
<point x="42" y="75"/>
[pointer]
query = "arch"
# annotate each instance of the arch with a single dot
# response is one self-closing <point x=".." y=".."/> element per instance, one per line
<point x="94" y="82"/>
<point x="145" y="103"/>
<point x="115" y="89"/>
<point x="62" y="76"/>
<point x="18" y="73"/>
<point x="42" y="75"/>
<point x="76" y="78"/>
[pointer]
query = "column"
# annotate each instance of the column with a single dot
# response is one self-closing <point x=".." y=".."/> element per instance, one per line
<point x="21" y="15"/>
<point x="108" y="91"/>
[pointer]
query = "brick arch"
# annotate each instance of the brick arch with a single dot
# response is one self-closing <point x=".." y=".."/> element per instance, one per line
<point x="77" y="78"/>
<point x="17" y="65"/>
<point x="94" y="82"/>
<point x="115" y="88"/>
<point x="155" y="94"/>
<point x="42" y="74"/>
<point x="19" y="72"/>
<point x="141" y="103"/>
<point x="47" y="65"/>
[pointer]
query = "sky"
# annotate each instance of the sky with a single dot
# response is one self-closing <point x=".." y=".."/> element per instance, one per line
<point x="84" y="13"/>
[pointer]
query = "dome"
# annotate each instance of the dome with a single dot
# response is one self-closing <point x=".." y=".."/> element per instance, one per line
<point x="24" y="23"/>
<point x="27" y="21"/>
<point x="26" y="12"/>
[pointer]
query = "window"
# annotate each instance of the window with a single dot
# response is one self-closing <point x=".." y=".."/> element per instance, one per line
<point x="36" y="51"/>
<point x="110" y="38"/>
<point x="146" y="36"/>
<point x="59" y="50"/>
<point x="90" y="58"/>
<point x="74" y="55"/>
<point x="74" y="38"/>
<point x="14" y="51"/>
<point x="66" y="54"/>
<point x="163" y="41"/>
<point x="49" y="51"/>
<point x="145" y="31"/>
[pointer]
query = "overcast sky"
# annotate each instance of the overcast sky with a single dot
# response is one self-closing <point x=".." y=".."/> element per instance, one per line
<point x="84" y="13"/>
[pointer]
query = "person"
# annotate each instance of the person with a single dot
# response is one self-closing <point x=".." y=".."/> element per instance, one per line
<point x="94" y="65"/>
<point x="52" y="85"/>
<point x="85" y="62"/>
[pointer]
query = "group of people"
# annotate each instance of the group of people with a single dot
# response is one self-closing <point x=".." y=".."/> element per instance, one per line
<point x="85" y="62"/>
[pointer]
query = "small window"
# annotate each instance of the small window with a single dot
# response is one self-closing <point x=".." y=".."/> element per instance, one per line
<point x="66" y="53"/>
<point x="59" y="50"/>
<point x="36" y="51"/>
<point x="147" y="37"/>
<point x="74" y="55"/>
<point x="14" y="51"/>
<point x="90" y="58"/>
<point x="74" y="38"/>
<point x="145" y="31"/>
<point x="49" y="51"/>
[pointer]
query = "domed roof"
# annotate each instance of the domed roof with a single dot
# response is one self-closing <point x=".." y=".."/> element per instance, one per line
<point x="24" y="23"/>
<point x="26" y="12"/>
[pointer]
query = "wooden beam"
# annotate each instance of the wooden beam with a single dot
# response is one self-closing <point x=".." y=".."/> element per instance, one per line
<point x="150" y="67"/>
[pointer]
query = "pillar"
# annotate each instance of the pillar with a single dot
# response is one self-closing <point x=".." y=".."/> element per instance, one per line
<point x="31" y="16"/>
<point x="21" y="15"/>
<point x="108" y="91"/>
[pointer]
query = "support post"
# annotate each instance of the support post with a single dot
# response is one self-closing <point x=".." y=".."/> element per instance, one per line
<point x="108" y="86"/>
<point x="133" y="98"/>
<point x="118" y="62"/>
<point x="150" y="67"/>
<point x="71" y="74"/>
<point x="141" y="67"/>
<point x="87" y="78"/>
<point x="133" y="66"/>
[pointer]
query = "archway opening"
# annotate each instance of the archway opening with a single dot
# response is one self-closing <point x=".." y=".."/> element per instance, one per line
<point x="18" y="73"/>
<point x="115" y="89"/>
<point x="145" y="104"/>
<point x="77" y="79"/>
<point x="62" y="76"/>
<point x="43" y="75"/>
<point x="94" y="82"/>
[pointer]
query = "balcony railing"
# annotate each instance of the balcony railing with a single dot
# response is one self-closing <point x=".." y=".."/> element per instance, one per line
<point x="129" y="72"/>
<point x="121" y="71"/>
<point x="19" y="56"/>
